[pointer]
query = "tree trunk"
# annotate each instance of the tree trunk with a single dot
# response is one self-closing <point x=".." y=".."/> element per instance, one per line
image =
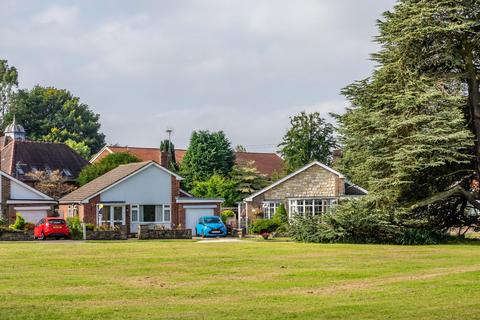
<point x="473" y="100"/>
<point x="455" y="191"/>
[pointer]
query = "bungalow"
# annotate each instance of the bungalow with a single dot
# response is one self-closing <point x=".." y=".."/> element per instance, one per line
<point x="135" y="194"/>
<point x="18" y="197"/>
<point x="312" y="189"/>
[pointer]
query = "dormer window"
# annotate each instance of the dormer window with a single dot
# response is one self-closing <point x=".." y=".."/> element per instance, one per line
<point x="48" y="170"/>
<point x="67" y="172"/>
<point x="19" y="169"/>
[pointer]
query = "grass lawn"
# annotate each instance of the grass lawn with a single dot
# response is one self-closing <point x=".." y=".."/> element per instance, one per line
<point x="241" y="280"/>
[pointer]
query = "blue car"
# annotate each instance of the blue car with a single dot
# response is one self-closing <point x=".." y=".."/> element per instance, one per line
<point x="210" y="226"/>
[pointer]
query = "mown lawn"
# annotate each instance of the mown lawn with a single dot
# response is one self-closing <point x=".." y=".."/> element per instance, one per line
<point x="243" y="280"/>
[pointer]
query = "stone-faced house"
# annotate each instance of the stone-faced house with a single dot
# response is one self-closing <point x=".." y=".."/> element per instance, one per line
<point x="313" y="189"/>
<point x="135" y="194"/>
<point x="18" y="197"/>
<point x="19" y="156"/>
<point x="266" y="163"/>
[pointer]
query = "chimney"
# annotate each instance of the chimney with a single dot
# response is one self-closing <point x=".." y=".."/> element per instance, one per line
<point x="164" y="159"/>
<point x="336" y="155"/>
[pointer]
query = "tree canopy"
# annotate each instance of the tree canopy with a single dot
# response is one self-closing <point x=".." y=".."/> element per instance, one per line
<point x="309" y="138"/>
<point x="106" y="164"/>
<point x="50" y="114"/>
<point x="8" y="81"/>
<point x="207" y="154"/>
<point x="410" y="136"/>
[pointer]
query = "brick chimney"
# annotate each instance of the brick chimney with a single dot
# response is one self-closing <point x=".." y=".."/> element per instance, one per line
<point x="337" y="154"/>
<point x="164" y="159"/>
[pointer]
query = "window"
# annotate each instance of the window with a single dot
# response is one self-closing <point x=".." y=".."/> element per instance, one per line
<point x="269" y="209"/>
<point x="166" y="213"/>
<point x="19" y="169"/>
<point x="149" y="213"/>
<point x="310" y="206"/>
<point x="134" y="213"/>
<point x="159" y="213"/>
<point x="67" y="172"/>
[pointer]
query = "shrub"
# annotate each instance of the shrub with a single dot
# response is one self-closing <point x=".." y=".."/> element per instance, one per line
<point x="89" y="226"/>
<point x="227" y="214"/>
<point x="264" y="227"/>
<point x="282" y="230"/>
<point x="281" y="214"/>
<point x="19" y="223"/>
<point x="29" y="226"/>
<point x="422" y="236"/>
<point x="75" y="226"/>
<point x="3" y="221"/>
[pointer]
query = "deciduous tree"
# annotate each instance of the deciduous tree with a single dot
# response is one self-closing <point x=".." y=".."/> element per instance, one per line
<point x="309" y="138"/>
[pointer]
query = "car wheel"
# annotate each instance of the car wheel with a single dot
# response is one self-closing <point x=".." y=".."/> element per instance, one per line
<point x="42" y="236"/>
<point x="35" y="238"/>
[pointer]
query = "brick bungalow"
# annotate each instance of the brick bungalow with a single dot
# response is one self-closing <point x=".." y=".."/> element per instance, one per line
<point x="18" y="197"/>
<point x="312" y="189"/>
<point x="135" y="194"/>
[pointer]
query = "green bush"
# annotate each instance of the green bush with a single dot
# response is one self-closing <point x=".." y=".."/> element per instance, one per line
<point x="282" y="230"/>
<point x="19" y="223"/>
<point x="264" y="225"/>
<point x="89" y="226"/>
<point x="423" y="236"/>
<point x="3" y="221"/>
<point x="281" y="214"/>
<point x="75" y="226"/>
<point x="226" y="214"/>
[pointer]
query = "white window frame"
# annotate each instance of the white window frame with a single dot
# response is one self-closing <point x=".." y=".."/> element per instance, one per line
<point x="270" y="208"/>
<point x="160" y="212"/>
<point x="136" y="208"/>
<point x="323" y="203"/>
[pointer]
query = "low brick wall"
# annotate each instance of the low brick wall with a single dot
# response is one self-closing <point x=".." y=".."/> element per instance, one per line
<point x="7" y="235"/>
<point x="106" y="235"/>
<point x="144" y="233"/>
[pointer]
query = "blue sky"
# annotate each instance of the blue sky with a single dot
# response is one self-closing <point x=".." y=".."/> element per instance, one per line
<point x="240" y="66"/>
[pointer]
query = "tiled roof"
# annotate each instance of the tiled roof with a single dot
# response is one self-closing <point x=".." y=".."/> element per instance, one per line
<point x="354" y="190"/>
<point x="34" y="155"/>
<point x="144" y="154"/>
<point x="266" y="163"/>
<point x="104" y="181"/>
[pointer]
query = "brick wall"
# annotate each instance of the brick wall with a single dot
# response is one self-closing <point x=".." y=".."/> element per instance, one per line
<point x="175" y="212"/>
<point x="5" y="186"/>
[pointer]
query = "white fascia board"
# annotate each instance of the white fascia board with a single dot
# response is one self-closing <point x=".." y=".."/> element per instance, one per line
<point x="100" y="152"/>
<point x="250" y="198"/>
<point x="196" y="200"/>
<point x="30" y="201"/>
<point x="192" y="206"/>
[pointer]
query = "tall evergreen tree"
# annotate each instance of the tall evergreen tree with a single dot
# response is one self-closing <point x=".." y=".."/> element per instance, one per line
<point x="412" y="131"/>
<point x="207" y="154"/>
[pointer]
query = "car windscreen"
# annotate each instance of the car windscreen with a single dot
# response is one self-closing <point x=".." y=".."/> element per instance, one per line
<point x="211" y="220"/>
<point x="56" y="221"/>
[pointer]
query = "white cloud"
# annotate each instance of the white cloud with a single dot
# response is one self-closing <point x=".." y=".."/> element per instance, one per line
<point x="240" y="66"/>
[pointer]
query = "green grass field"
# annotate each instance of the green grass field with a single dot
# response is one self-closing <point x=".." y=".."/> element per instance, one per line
<point x="241" y="280"/>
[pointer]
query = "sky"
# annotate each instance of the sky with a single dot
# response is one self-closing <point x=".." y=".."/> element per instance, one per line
<point x="242" y="66"/>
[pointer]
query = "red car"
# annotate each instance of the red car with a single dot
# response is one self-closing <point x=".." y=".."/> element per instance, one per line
<point x="51" y="227"/>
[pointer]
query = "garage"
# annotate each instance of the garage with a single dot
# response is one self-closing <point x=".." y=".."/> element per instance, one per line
<point x="193" y="214"/>
<point x="32" y="214"/>
<point x="191" y="209"/>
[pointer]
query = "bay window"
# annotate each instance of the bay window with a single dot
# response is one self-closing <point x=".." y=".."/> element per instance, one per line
<point x="310" y="206"/>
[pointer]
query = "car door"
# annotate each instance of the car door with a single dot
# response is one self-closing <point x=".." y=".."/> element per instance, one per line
<point x="199" y="227"/>
<point x="38" y="228"/>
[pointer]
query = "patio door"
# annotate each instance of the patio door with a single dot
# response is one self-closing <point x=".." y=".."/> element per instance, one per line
<point x="113" y="215"/>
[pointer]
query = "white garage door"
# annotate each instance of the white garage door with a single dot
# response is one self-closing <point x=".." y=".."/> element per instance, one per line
<point x="193" y="214"/>
<point x="32" y="216"/>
